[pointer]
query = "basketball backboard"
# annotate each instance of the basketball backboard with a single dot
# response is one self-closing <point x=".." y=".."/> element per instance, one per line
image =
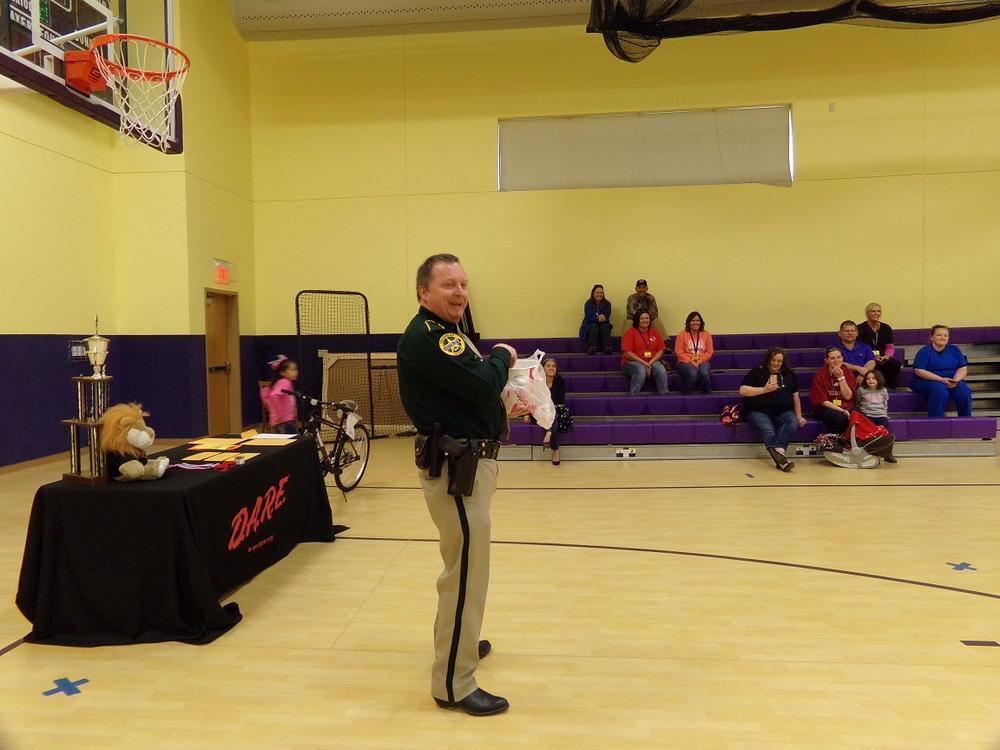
<point x="35" y="35"/>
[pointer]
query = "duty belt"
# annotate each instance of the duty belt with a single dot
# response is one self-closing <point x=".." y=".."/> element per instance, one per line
<point x="461" y="455"/>
<point x="489" y="449"/>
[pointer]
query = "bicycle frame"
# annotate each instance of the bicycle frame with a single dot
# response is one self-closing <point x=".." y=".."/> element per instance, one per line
<point x="344" y="452"/>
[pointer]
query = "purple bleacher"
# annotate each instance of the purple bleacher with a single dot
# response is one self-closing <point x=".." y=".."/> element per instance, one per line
<point x="733" y="341"/>
<point x="673" y="433"/>
<point x="588" y="434"/>
<point x="616" y="382"/>
<point x="758" y="342"/>
<point x="801" y="340"/>
<point x="633" y="433"/>
<point x="681" y="431"/>
<point x="925" y="428"/>
<point x="614" y="405"/>
<point x="721" y="361"/>
<point x="917" y="337"/>
<point x="597" y="390"/>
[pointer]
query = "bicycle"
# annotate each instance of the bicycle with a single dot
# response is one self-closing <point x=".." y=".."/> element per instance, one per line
<point x="347" y="457"/>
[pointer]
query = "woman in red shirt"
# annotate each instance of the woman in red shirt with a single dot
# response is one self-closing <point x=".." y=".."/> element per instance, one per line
<point x="642" y="352"/>
<point x="832" y="393"/>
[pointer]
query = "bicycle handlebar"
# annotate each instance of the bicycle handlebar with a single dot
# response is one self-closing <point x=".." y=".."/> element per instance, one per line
<point x="348" y="406"/>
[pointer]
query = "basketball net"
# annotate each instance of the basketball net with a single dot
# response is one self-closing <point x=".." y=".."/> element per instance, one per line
<point x="146" y="76"/>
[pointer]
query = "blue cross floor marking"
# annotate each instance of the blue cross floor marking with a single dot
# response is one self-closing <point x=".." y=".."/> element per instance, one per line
<point x="65" y="685"/>
<point x="962" y="566"/>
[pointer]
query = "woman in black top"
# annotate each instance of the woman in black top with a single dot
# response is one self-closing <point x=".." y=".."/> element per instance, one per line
<point x="771" y="402"/>
<point x="596" y="326"/>
<point x="557" y="388"/>
<point x="878" y="336"/>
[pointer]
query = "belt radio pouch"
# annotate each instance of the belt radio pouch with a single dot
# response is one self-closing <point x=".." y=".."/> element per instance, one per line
<point x="428" y="453"/>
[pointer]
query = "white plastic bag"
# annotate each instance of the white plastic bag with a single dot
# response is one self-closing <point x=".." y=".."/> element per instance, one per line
<point x="526" y="391"/>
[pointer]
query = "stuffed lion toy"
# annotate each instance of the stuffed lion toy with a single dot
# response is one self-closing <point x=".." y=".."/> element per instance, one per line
<point x="124" y="439"/>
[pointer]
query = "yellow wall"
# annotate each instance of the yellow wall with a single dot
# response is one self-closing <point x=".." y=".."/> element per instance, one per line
<point x="343" y="163"/>
<point x="97" y="226"/>
<point x="370" y="154"/>
<point x="219" y="185"/>
<point x="150" y="266"/>
<point x="54" y="188"/>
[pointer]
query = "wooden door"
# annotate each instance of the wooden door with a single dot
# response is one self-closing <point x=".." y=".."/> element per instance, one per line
<point x="220" y="354"/>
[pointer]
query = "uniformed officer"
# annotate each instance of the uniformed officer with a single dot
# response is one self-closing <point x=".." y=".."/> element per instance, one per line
<point x="445" y="381"/>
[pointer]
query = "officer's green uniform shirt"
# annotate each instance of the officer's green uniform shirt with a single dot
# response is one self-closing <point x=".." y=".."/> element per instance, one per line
<point x="441" y="379"/>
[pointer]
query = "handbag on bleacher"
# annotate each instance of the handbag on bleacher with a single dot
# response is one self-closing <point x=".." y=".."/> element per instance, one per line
<point x="564" y="419"/>
<point x="731" y="415"/>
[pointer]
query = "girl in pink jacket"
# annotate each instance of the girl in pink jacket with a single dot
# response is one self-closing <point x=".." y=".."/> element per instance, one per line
<point x="280" y="405"/>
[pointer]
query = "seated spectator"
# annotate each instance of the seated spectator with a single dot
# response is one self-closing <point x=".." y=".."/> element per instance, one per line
<point x="873" y="402"/>
<point x="939" y="371"/>
<point x="771" y="402"/>
<point x="858" y="356"/>
<point x="643" y="301"/>
<point x="557" y="388"/>
<point x="878" y="336"/>
<point x="832" y="392"/>
<point x="596" y="326"/>
<point x="693" y="348"/>
<point x="642" y="350"/>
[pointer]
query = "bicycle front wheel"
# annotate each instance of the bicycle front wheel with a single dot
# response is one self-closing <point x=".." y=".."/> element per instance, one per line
<point x="352" y="459"/>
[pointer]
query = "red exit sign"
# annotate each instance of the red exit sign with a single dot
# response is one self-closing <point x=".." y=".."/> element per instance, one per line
<point x="223" y="271"/>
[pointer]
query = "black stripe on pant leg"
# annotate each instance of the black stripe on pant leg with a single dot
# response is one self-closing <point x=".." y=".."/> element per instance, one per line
<point x="460" y="606"/>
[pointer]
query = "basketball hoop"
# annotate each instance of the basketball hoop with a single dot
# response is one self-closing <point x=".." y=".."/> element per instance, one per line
<point x="145" y="75"/>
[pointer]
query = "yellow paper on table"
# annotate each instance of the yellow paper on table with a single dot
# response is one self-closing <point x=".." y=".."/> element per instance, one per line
<point x="269" y="441"/>
<point x="248" y="434"/>
<point x="200" y="456"/>
<point x="224" y="456"/>
<point x="219" y="444"/>
<point x="247" y="456"/>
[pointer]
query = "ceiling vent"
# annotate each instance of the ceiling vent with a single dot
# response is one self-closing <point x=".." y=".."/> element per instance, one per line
<point x="300" y="19"/>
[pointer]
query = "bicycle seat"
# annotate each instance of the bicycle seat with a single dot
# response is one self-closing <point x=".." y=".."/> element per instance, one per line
<point x="348" y="406"/>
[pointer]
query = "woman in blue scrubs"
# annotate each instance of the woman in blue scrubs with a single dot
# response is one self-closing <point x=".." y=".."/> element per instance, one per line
<point x="940" y="369"/>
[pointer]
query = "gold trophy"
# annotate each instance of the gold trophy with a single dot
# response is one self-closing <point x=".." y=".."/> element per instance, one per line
<point x="91" y="403"/>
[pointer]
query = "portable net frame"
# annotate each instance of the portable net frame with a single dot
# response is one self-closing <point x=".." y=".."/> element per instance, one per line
<point x="336" y="358"/>
<point x="632" y="29"/>
<point x="146" y="76"/>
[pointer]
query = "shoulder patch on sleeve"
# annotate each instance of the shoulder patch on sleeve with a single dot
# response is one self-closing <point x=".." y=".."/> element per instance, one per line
<point x="452" y="344"/>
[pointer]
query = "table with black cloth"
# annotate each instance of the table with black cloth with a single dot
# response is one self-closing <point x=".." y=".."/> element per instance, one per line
<point x="134" y="562"/>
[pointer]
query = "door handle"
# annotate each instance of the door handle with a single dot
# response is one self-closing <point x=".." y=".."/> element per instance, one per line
<point x="227" y="368"/>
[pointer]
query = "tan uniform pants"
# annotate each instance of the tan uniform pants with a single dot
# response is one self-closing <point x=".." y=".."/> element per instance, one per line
<point x="464" y="529"/>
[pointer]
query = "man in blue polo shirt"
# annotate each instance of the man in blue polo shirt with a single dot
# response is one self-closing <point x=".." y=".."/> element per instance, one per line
<point x="858" y="356"/>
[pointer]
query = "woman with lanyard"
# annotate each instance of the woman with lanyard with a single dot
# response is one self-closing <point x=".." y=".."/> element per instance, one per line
<point x="832" y="394"/>
<point x="878" y="336"/>
<point x="694" y="350"/>
<point x="642" y="352"/>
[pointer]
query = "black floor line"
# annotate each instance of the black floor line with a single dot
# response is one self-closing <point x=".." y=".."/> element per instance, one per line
<point x="708" y="555"/>
<point x="11" y="646"/>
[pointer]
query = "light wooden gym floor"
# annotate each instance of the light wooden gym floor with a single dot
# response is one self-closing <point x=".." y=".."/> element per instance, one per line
<point x="693" y="605"/>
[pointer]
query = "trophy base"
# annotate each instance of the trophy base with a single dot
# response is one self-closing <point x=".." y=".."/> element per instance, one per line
<point x="84" y="479"/>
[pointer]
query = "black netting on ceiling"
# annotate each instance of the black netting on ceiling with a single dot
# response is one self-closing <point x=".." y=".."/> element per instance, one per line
<point x="633" y="28"/>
